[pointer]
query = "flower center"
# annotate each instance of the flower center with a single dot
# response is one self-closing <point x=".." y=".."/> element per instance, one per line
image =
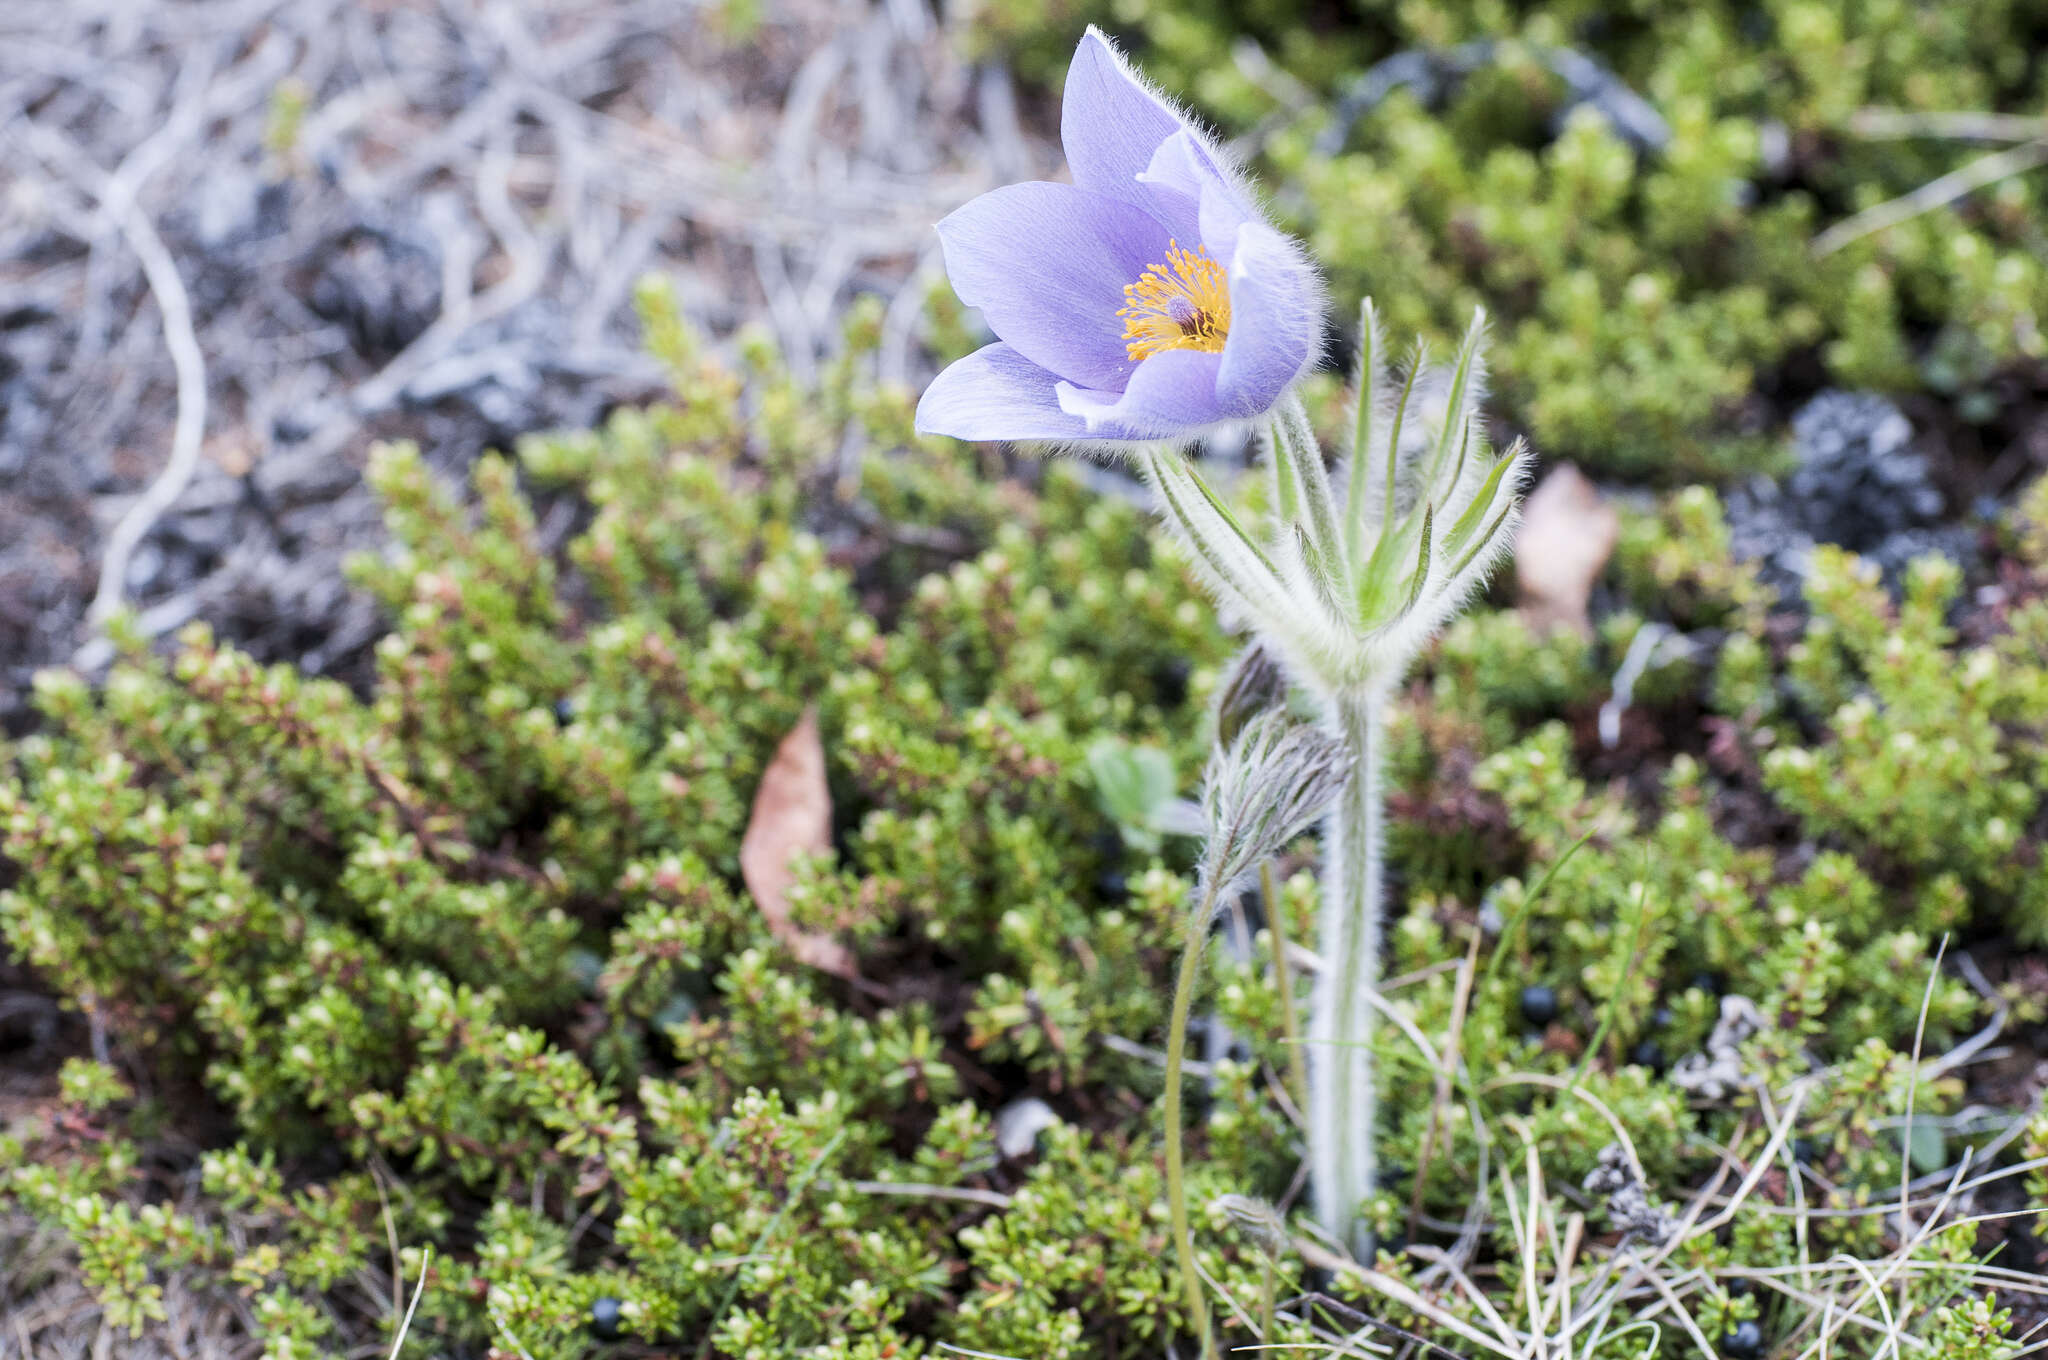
<point x="1182" y="304"/>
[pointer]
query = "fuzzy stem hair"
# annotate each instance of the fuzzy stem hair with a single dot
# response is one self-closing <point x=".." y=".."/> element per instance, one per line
<point x="1342" y="1106"/>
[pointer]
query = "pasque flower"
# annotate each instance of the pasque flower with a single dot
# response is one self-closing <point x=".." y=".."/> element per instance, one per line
<point x="1354" y="579"/>
<point x="1141" y="305"/>
<point x="1147" y="301"/>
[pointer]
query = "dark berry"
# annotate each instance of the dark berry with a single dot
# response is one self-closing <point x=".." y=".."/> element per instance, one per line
<point x="1112" y="887"/>
<point x="1805" y="1151"/>
<point x="1171" y="681"/>
<point x="1661" y="1018"/>
<point x="604" y="1319"/>
<point x="679" y="1009"/>
<point x="1710" y="983"/>
<point x="1649" y="1053"/>
<point x="587" y="968"/>
<point x="565" y="712"/>
<point x="1539" y="1005"/>
<point x="1745" y="1341"/>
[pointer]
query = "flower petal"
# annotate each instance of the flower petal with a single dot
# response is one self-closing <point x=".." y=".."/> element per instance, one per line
<point x="1047" y="265"/>
<point x="996" y="393"/>
<point x="1110" y="121"/>
<point x="1172" y="395"/>
<point x="1195" y="196"/>
<point x="1276" y="320"/>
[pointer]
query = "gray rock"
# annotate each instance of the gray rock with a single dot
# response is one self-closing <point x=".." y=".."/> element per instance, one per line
<point x="1019" y="1123"/>
<point x="1860" y="483"/>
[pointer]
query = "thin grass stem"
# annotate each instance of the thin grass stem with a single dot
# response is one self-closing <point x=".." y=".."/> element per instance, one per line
<point x="1283" y="978"/>
<point x="1176" y="1172"/>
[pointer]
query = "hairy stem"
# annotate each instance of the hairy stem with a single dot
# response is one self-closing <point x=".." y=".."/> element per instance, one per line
<point x="1176" y="1179"/>
<point x="1341" y="1104"/>
<point x="1283" y="978"/>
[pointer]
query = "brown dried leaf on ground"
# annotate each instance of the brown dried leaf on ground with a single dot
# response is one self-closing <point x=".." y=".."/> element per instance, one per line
<point x="1568" y="532"/>
<point x="792" y="817"/>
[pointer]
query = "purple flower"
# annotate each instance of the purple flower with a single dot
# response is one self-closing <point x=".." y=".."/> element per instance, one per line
<point x="1149" y="300"/>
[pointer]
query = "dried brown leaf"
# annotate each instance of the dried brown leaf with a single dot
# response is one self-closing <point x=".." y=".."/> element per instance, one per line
<point x="792" y="818"/>
<point x="1568" y="533"/>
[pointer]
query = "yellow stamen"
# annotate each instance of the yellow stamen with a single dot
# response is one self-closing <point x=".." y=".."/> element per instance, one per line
<point x="1182" y="304"/>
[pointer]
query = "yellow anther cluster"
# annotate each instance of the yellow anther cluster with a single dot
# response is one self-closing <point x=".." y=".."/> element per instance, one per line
<point x="1182" y="304"/>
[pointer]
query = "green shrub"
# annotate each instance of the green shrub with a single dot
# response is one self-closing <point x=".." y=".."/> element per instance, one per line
<point x="468" y="963"/>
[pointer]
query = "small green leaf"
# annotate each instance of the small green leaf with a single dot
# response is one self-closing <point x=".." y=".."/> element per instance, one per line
<point x="1394" y="436"/>
<point x="1457" y="416"/>
<point x="1287" y="490"/>
<point x="1134" y="785"/>
<point x="1385" y="579"/>
<point x="1320" y="570"/>
<point x="1369" y="342"/>
<point x="1378" y="580"/>
<point x="1925" y="1148"/>
<point x="1461" y="531"/>
<point x="1295" y="449"/>
<point x="1421" y="561"/>
<point x="1217" y="504"/>
<point x="1479" y="544"/>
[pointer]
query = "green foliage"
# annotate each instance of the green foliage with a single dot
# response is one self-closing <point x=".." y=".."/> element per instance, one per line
<point x="469" y="965"/>
<point x="1135" y="784"/>
<point x="1677" y="563"/>
<point x="1933" y="754"/>
<point x="484" y="928"/>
